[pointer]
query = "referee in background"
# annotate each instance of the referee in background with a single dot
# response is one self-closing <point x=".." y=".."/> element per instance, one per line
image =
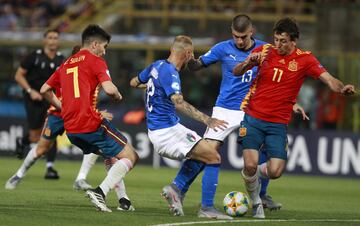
<point x="33" y="72"/>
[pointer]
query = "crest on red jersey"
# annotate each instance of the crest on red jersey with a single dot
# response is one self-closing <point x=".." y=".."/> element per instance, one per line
<point x="293" y="65"/>
<point x="242" y="131"/>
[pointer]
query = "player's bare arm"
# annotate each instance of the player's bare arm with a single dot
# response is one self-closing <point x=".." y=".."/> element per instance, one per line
<point x="336" y="85"/>
<point x="194" y="113"/>
<point x="134" y="82"/>
<point x="111" y="90"/>
<point x="298" y="109"/>
<point x="21" y="80"/>
<point x="252" y="60"/>
<point x="49" y="95"/>
<point x="195" y="64"/>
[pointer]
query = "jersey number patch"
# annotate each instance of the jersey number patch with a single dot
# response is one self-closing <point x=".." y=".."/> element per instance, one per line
<point x="75" y="72"/>
<point x="277" y="75"/>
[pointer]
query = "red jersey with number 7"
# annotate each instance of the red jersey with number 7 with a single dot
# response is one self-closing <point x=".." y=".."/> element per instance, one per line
<point x="79" y="78"/>
<point x="273" y="93"/>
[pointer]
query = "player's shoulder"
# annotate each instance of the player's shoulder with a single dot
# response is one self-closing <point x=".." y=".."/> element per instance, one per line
<point x="264" y="47"/>
<point x="259" y="42"/>
<point x="224" y="44"/>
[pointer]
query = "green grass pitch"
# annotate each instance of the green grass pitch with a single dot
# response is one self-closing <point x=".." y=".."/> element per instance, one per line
<point x="306" y="200"/>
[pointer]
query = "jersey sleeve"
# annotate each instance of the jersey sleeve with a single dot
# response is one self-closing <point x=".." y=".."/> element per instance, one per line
<point x="101" y="71"/>
<point x="54" y="80"/>
<point x="28" y="61"/>
<point x="144" y="75"/>
<point x="214" y="55"/>
<point x="171" y="83"/>
<point x="315" y="69"/>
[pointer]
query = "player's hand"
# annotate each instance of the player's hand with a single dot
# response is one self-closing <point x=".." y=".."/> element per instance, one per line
<point x="348" y="90"/>
<point x="298" y="109"/>
<point x="214" y="123"/>
<point x="254" y="58"/>
<point x="35" y="95"/>
<point x="107" y="115"/>
<point x="118" y="97"/>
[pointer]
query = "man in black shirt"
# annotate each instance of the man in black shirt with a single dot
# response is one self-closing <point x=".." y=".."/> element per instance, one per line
<point x="33" y="72"/>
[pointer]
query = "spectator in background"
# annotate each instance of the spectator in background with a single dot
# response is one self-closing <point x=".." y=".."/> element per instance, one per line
<point x="8" y="19"/>
<point x="330" y="110"/>
<point x="306" y="99"/>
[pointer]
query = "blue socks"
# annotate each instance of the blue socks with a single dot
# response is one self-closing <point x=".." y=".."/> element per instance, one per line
<point x="187" y="174"/>
<point x="209" y="184"/>
<point x="264" y="182"/>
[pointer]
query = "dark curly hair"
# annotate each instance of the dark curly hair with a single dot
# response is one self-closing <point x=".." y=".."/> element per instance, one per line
<point x="289" y="26"/>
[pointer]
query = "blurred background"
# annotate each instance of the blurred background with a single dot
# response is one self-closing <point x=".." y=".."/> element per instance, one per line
<point x="142" y="32"/>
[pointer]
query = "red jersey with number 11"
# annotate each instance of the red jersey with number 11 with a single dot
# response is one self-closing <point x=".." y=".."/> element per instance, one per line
<point x="273" y="93"/>
<point x="79" y="78"/>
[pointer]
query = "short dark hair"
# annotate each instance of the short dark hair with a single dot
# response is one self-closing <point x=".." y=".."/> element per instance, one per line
<point x="49" y="31"/>
<point x="92" y="32"/>
<point x="289" y="26"/>
<point x="241" y="23"/>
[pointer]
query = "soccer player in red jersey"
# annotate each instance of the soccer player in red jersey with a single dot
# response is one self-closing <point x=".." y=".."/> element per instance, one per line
<point x="80" y="78"/>
<point x="268" y="105"/>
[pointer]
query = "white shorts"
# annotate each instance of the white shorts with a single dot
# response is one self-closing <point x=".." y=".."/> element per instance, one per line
<point x="231" y="116"/>
<point x="174" y="142"/>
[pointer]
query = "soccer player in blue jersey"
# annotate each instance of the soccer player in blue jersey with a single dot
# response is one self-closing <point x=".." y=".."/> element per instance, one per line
<point x="169" y="137"/>
<point x="232" y="92"/>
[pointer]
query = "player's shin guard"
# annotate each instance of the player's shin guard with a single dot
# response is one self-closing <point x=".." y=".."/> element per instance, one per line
<point x="28" y="162"/>
<point x="87" y="162"/>
<point x="252" y="186"/>
<point x="187" y="174"/>
<point x="209" y="184"/>
<point x="116" y="174"/>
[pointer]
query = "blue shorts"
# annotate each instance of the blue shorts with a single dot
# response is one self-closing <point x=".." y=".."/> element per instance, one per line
<point x="106" y="139"/>
<point x="53" y="127"/>
<point x="255" y="133"/>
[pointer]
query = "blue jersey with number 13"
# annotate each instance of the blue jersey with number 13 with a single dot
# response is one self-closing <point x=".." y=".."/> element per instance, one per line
<point x="233" y="89"/>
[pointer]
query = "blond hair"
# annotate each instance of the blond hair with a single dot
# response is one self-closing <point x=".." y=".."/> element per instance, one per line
<point x="181" y="42"/>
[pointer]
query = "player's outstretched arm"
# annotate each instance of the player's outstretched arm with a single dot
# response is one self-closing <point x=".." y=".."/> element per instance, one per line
<point x="111" y="90"/>
<point x="134" y="82"/>
<point x="49" y="95"/>
<point x="191" y="111"/>
<point x="336" y="85"/>
<point x="252" y="60"/>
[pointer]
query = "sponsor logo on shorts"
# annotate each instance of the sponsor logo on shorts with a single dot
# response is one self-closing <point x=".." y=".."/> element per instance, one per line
<point x="190" y="137"/>
<point x="242" y="131"/>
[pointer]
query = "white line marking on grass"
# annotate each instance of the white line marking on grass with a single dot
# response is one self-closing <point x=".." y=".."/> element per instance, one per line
<point x="257" y="221"/>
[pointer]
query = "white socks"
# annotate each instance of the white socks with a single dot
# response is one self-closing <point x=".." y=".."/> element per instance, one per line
<point x="119" y="187"/>
<point x="116" y="173"/>
<point x="252" y="185"/>
<point x="28" y="162"/>
<point x="88" y="162"/>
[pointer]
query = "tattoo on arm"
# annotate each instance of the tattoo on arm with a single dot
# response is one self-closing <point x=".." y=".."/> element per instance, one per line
<point x="188" y="109"/>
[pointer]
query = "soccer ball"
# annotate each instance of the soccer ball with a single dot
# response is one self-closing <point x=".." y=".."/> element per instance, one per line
<point x="236" y="204"/>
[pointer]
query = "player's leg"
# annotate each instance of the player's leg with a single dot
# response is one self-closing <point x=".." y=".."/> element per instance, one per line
<point x="120" y="189"/>
<point x="190" y="168"/>
<point x="53" y="127"/>
<point x="204" y="152"/>
<point x="36" y="152"/>
<point x="251" y="138"/>
<point x="88" y="162"/>
<point x="51" y="173"/>
<point x="111" y="143"/>
<point x="266" y="199"/>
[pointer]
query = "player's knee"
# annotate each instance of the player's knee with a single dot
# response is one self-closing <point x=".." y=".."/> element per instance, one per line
<point x="250" y="168"/>
<point x="275" y="173"/>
